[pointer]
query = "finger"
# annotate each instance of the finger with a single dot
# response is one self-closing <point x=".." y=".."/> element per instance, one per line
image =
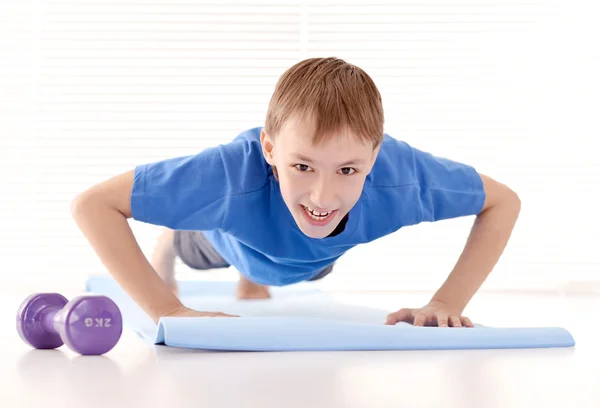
<point x="455" y="321"/>
<point x="420" y="319"/>
<point x="220" y="314"/>
<point x="391" y="319"/>
<point x="402" y="315"/>
<point x="442" y="320"/>
<point x="467" y="322"/>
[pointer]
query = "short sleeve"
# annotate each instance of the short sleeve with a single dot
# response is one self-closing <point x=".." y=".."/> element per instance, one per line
<point x="447" y="188"/>
<point x="193" y="192"/>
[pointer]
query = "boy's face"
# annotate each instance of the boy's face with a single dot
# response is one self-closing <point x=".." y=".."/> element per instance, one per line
<point x="319" y="184"/>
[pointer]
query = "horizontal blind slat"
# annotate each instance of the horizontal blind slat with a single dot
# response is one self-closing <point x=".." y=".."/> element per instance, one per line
<point x="109" y="85"/>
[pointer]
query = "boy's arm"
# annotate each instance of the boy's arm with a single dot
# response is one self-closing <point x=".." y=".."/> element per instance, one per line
<point x="486" y="243"/>
<point x="101" y="212"/>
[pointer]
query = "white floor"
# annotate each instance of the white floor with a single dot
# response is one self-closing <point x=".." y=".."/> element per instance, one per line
<point x="137" y="374"/>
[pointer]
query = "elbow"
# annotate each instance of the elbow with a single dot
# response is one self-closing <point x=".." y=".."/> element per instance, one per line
<point x="95" y="201"/>
<point x="516" y="200"/>
<point x="80" y="204"/>
<point x="513" y="203"/>
<point x="90" y="200"/>
<point x="110" y="195"/>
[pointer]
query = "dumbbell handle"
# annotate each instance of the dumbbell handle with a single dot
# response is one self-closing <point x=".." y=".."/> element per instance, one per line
<point x="48" y="319"/>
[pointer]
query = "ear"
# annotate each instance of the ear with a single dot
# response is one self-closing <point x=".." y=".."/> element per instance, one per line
<point x="375" y="153"/>
<point x="267" y="147"/>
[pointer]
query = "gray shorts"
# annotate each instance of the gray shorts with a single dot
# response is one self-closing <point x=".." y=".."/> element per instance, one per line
<point x="196" y="251"/>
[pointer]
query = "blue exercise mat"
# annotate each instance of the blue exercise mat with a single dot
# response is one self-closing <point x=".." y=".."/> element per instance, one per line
<point x="302" y="318"/>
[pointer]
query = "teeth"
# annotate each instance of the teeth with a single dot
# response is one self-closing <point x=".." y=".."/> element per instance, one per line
<point x="315" y="214"/>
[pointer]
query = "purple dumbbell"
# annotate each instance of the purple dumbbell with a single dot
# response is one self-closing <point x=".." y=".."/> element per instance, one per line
<point x="88" y="325"/>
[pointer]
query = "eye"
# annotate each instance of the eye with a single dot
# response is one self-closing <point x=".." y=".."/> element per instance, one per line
<point x="348" y="171"/>
<point x="302" y="167"/>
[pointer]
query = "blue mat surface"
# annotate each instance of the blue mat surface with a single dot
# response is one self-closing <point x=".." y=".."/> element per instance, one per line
<point x="301" y="318"/>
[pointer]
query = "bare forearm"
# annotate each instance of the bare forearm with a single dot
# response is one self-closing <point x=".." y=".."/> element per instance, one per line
<point x="111" y="237"/>
<point x="485" y="244"/>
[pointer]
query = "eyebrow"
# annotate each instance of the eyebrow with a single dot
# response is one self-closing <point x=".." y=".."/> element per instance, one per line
<point x="346" y="163"/>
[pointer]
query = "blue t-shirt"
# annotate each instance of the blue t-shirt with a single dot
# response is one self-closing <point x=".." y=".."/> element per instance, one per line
<point x="229" y="192"/>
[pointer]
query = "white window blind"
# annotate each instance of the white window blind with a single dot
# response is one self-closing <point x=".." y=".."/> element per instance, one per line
<point x="93" y="88"/>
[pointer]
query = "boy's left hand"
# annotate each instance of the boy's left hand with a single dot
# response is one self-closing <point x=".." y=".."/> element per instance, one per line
<point x="433" y="314"/>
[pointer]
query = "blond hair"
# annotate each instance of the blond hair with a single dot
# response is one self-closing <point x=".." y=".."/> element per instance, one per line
<point x="331" y="94"/>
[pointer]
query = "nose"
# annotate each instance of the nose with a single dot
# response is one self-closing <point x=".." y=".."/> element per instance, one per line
<point x="323" y="194"/>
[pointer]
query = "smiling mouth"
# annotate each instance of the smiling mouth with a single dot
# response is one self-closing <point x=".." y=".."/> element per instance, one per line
<point x="316" y="215"/>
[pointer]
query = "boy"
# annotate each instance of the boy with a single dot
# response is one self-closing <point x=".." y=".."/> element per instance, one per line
<point x="283" y="202"/>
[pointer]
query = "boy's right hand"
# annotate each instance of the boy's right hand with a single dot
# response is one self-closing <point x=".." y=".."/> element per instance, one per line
<point x="187" y="312"/>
